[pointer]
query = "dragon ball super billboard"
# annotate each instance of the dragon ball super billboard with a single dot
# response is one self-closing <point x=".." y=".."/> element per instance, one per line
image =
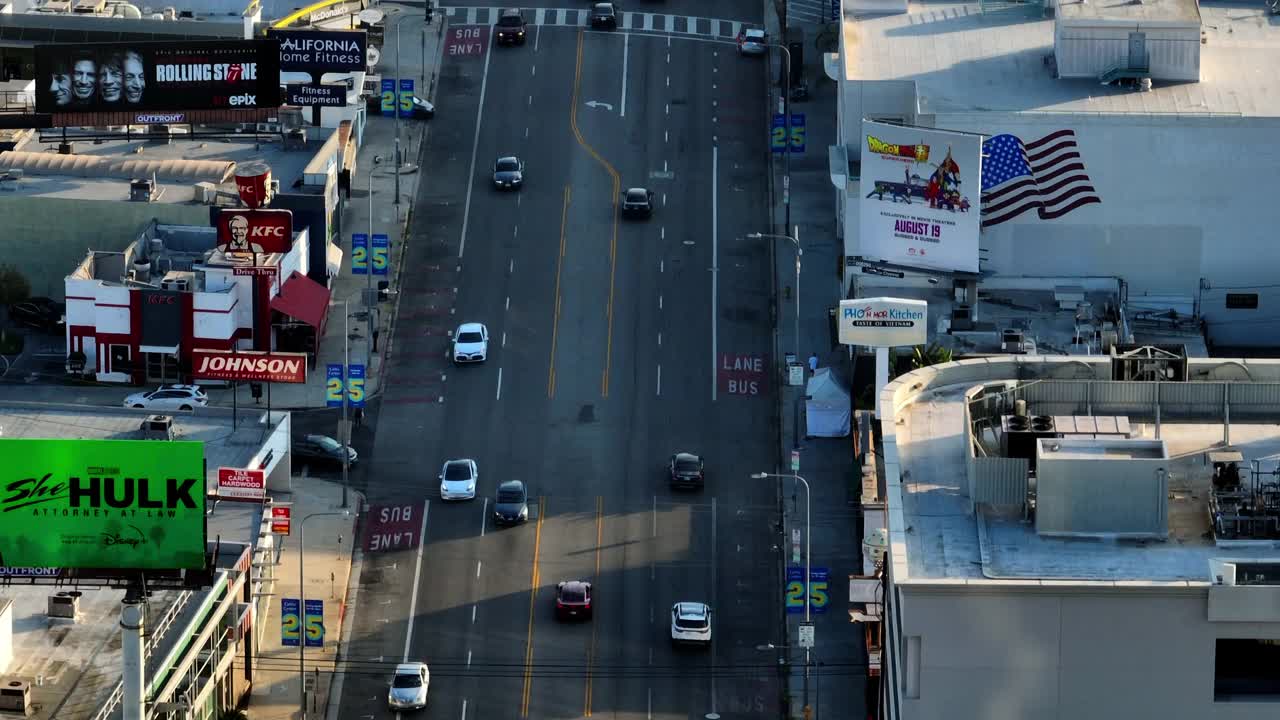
<point x="921" y="194"/>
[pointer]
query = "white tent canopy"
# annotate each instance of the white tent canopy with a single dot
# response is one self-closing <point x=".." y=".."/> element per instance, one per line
<point x="828" y="409"/>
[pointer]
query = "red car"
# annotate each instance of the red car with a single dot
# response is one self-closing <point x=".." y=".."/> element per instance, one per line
<point x="573" y="600"/>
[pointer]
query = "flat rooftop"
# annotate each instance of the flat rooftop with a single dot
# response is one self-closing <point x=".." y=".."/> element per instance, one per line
<point x="74" y="666"/>
<point x="963" y="61"/>
<point x="1172" y="11"/>
<point x="946" y="542"/>
<point x="107" y="167"/>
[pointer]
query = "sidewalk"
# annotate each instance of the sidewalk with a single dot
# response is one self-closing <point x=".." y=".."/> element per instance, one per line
<point x="837" y="662"/>
<point x="331" y="575"/>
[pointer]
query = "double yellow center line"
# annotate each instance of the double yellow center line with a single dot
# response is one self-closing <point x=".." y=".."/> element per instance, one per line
<point x="591" y="652"/>
<point x="534" y="581"/>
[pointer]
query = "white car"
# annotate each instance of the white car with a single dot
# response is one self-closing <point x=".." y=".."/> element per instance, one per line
<point x="169" y="397"/>
<point x="409" y="687"/>
<point x="752" y="41"/>
<point x="690" y="623"/>
<point x="471" y="343"/>
<point x="458" y="480"/>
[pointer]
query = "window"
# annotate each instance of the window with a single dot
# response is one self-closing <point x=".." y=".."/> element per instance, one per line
<point x="1246" y="670"/>
<point x="1242" y="301"/>
<point x="120" y="358"/>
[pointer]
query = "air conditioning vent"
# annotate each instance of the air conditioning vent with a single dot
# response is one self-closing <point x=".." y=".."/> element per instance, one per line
<point x="1019" y="423"/>
<point x="142" y="190"/>
<point x="15" y="695"/>
<point x="157" y="427"/>
<point x="1042" y="423"/>
<point x="65" y="605"/>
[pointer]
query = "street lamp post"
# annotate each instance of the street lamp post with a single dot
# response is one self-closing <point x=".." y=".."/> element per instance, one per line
<point x="302" y="604"/>
<point x="786" y="123"/>
<point x="368" y="270"/>
<point x="397" y="200"/>
<point x="808" y="534"/>
<point x="343" y="434"/>
<point x="794" y="238"/>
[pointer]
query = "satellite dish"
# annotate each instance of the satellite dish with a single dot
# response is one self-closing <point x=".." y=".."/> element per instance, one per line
<point x="374" y="56"/>
<point x="371" y="16"/>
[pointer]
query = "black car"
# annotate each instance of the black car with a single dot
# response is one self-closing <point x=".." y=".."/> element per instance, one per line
<point x="637" y="202"/>
<point x="573" y="600"/>
<point x="38" y="313"/>
<point x="511" y="504"/>
<point x="686" y="470"/>
<point x="511" y="27"/>
<point x="508" y="173"/>
<point x="321" y="450"/>
<point x="604" y="16"/>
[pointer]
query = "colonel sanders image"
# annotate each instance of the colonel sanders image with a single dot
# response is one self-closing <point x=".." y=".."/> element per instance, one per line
<point x="84" y="80"/>
<point x="135" y="78"/>
<point x="238" y="228"/>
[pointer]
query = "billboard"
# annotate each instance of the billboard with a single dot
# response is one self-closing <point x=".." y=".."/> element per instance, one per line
<point x="242" y="483"/>
<point x="921" y="196"/>
<point x="105" y="504"/>
<point x="883" y="322"/>
<point x="329" y="95"/>
<point x="145" y="76"/>
<point x="321" y="51"/>
<point x="246" y="366"/>
<point x="255" y="231"/>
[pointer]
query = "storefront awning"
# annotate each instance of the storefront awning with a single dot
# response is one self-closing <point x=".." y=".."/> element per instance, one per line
<point x="333" y="260"/>
<point x="303" y="299"/>
<point x="163" y="349"/>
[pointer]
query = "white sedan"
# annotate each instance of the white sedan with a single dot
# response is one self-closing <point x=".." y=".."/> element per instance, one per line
<point x="458" y="479"/>
<point x="471" y="343"/>
<point x="409" y="685"/>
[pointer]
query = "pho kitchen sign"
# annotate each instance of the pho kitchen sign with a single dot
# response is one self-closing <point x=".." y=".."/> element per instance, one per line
<point x="249" y="366"/>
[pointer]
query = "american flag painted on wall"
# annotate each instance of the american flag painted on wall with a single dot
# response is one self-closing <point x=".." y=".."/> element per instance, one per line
<point x="1046" y="175"/>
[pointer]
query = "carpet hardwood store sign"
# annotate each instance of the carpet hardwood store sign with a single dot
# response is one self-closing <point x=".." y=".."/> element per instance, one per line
<point x="249" y="366"/>
<point x="102" y="504"/>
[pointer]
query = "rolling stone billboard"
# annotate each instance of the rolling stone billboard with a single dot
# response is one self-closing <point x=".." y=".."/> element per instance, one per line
<point x="102" y="504"/>
<point x="158" y="76"/>
<point x="255" y="231"/>
<point x="921" y="199"/>
<point x="246" y="366"/>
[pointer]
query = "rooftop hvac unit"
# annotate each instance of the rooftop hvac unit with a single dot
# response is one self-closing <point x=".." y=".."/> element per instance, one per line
<point x="1011" y="341"/>
<point x="142" y="190"/>
<point x="179" y="284"/>
<point x="205" y="193"/>
<point x="266" y="127"/>
<point x="15" y="695"/>
<point x="14" y="173"/>
<point x="57" y="6"/>
<point x="1019" y="435"/>
<point x="157" y="427"/>
<point x="66" y="148"/>
<point x="89" y="7"/>
<point x="296" y="139"/>
<point x="64" y="605"/>
<point x="170" y="13"/>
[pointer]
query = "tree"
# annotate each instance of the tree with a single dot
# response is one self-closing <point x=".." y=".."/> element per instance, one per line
<point x="933" y="354"/>
<point x="14" y="287"/>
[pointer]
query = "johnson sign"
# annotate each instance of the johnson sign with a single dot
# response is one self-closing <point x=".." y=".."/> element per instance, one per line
<point x="249" y="366"/>
<point x="883" y="322"/>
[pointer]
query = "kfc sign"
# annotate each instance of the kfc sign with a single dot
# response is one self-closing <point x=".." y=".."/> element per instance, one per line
<point x="158" y="299"/>
<point x="242" y="484"/>
<point x="249" y="366"/>
<point x="255" y="231"/>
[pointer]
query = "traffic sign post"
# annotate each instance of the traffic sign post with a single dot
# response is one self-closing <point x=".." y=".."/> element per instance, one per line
<point x="806" y="635"/>
<point x="795" y="461"/>
<point x="290" y="622"/>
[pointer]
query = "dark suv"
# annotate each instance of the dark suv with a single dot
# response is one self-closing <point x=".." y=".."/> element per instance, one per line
<point x="686" y="470"/>
<point x="637" y="202"/>
<point x="511" y="27"/>
<point x="511" y="504"/>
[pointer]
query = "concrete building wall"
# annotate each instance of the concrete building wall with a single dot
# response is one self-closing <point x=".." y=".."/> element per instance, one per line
<point x="63" y="229"/>
<point x="1052" y="653"/>
<point x="6" y="634"/>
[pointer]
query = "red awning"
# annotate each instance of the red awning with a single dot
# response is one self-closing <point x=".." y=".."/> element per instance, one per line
<point x="303" y="299"/>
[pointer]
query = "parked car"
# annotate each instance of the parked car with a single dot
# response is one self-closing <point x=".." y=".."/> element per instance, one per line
<point x="38" y="313"/>
<point x="752" y="41"/>
<point x="409" y="685"/>
<point x="686" y="470"/>
<point x="508" y="173"/>
<point x="169" y="397"/>
<point x="637" y="202"/>
<point x="511" y="504"/>
<point x="322" y="450"/>
<point x="511" y="27"/>
<point x="458" y="479"/>
<point x="573" y="600"/>
<point x="690" y="623"/>
<point x="471" y="343"/>
<point x="604" y="16"/>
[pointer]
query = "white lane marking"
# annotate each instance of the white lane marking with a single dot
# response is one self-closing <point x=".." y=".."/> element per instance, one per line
<point x="475" y="146"/>
<point x="511" y="265"/>
<point x="713" y="594"/>
<point x="504" y="343"/>
<point x="715" y="249"/>
<point x="498" y="396"/>
<point x="659" y="379"/>
<point x="530" y="101"/>
<point x="664" y="166"/>
<point x="508" y="302"/>
<point x="479" y="563"/>
<point x="659" y="307"/>
<point x="662" y="266"/>
<point x="473" y="613"/>
<point x="484" y="522"/>
<point x="515" y="231"/>
<point x="626" y="45"/>
<point x="648" y="715"/>
<point x="663" y="231"/>
<point x="666" y="136"/>
<point x="537" y="34"/>
<point x="668" y="54"/>
<point x="519" y="199"/>
<point x="664" y="199"/>
<point x="668" y="81"/>
<point x="526" y="135"/>
<point x="417" y="576"/>
<point x="464" y="700"/>
<point x="468" y="665"/>
<point x="668" y="108"/>
<point x="655" y="529"/>
<point x="533" y="69"/>
<point x="659" y="339"/>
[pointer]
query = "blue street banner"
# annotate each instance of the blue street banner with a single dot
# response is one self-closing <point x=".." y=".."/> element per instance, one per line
<point x="388" y="97"/>
<point x="290" y="622"/>
<point x="406" y="98"/>
<point x="313" y="623"/>
<point x="778" y="133"/>
<point x="333" y="385"/>
<point x="819" y="596"/>
<point x="381" y="254"/>
<point x="835" y="10"/>
<point x="355" y="385"/>
<point x="359" y="254"/>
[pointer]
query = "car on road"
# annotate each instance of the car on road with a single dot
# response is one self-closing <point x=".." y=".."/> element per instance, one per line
<point x="409" y="685"/>
<point x="169" y="397"/>
<point x="686" y="470"/>
<point x="423" y="109"/>
<point x="511" y="503"/>
<point x="508" y="173"/>
<point x="471" y="343"/>
<point x="690" y="623"/>
<point x="573" y="600"/>
<point x="38" y="313"/>
<point x="637" y="202"/>
<point x="458" y="479"/>
<point x="321" y="450"/>
<point x="511" y="27"/>
<point x="604" y="16"/>
<point x="752" y="41"/>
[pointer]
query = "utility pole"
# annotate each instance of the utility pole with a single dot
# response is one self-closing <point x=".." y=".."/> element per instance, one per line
<point x="398" y="111"/>
<point x="344" y="433"/>
<point x="369" y="303"/>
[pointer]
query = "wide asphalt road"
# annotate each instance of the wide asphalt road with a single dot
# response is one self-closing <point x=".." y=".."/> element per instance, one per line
<point x="605" y="341"/>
